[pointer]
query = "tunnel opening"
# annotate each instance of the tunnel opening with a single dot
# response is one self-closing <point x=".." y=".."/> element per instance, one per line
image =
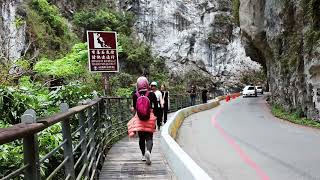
<point x="256" y="55"/>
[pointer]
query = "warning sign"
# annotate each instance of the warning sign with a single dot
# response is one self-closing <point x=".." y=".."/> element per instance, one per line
<point x="102" y="51"/>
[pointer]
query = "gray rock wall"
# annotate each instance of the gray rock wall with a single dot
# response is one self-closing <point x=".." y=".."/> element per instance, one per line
<point x="12" y="30"/>
<point x="284" y="35"/>
<point x="193" y="35"/>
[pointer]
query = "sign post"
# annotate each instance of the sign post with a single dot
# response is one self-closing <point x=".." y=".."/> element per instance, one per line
<point x="103" y="54"/>
<point x="106" y="84"/>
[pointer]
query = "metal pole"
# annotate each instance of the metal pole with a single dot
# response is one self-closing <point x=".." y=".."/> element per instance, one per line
<point x="31" y="149"/>
<point x="91" y="135"/>
<point x="120" y="111"/>
<point x="106" y="83"/>
<point x="68" y="150"/>
<point x="84" y="139"/>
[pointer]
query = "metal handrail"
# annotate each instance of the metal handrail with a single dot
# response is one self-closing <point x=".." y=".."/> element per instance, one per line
<point x="101" y="123"/>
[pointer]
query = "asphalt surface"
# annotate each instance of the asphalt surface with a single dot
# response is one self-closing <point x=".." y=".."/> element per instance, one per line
<point x="241" y="140"/>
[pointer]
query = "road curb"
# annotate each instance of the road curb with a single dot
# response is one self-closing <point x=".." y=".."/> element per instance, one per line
<point x="179" y="161"/>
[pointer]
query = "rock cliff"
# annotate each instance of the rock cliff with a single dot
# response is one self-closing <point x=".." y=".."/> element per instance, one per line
<point x="284" y="37"/>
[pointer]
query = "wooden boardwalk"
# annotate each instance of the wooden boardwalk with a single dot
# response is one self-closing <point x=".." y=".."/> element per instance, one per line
<point x="124" y="162"/>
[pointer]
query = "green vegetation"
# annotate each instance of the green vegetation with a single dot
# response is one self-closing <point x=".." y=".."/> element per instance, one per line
<point x="47" y="29"/>
<point x="19" y="22"/>
<point x="235" y="11"/>
<point x="14" y="100"/>
<point x="73" y="64"/>
<point x="104" y="19"/>
<point x="311" y="14"/>
<point x="294" y="117"/>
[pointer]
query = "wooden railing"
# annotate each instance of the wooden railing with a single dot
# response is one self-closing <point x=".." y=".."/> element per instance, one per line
<point x="88" y="131"/>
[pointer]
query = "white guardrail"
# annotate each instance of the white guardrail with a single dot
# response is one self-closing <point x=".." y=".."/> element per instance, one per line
<point x="180" y="162"/>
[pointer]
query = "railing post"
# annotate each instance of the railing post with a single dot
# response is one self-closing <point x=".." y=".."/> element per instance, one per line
<point x="92" y="137"/>
<point x="31" y="148"/>
<point x="105" y="124"/>
<point x="91" y="125"/>
<point x="120" y="111"/>
<point x="84" y="139"/>
<point x="68" y="150"/>
<point x="129" y="107"/>
<point x="175" y="103"/>
<point x="108" y="102"/>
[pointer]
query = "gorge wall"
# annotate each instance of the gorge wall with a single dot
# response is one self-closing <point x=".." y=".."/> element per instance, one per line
<point x="284" y="37"/>
<point x="193" y="36"/>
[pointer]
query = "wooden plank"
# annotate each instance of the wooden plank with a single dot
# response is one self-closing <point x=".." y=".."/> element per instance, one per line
<point x="123" y="162"/>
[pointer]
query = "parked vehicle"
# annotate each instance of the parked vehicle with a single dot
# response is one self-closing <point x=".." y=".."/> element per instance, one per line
<point x="259" y="89"/>
<point x="249" y="91"/>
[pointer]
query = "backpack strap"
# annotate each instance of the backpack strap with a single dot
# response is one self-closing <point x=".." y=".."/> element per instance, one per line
<point x="147" y="93"/>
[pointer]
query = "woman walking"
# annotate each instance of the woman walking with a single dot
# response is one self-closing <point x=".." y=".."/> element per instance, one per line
<point x="165" y="100"/>
<point x="158" y="108"/>
<point x="144" y="120"/>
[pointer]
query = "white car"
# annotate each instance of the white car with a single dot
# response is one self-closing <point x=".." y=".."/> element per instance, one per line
<point x="249" y="91"/>
<point x="259" y="89"/>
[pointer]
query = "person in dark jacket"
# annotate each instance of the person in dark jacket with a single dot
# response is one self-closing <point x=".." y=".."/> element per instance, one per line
<point x="204" y="95"/>
<point x="158" y="109"/>
<point x="193" y="95"/>
<point x="165" y="107"/>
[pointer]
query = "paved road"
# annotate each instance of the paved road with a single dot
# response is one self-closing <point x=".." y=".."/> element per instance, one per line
<point x="241" y="140"/>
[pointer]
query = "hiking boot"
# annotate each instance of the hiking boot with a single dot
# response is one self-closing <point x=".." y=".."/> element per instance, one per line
<point x="148" y="156"/>
<point x="143" y="158"/>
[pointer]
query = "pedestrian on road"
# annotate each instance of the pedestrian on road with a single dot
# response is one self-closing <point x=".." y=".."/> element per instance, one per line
<point x="193" y="95"/>
<point x="144" y="121"/>
<point x="204" y="95"/>
<point x="158" y="109"/>
<point x="166" y="101"/>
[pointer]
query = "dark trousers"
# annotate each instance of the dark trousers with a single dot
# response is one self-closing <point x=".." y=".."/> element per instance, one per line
<point x="204" y="100"/>
<point x="145" y="137"/>
<point x="159" y="114"/>
<point x="193" y="100"/>
<point x="165" y="114"/>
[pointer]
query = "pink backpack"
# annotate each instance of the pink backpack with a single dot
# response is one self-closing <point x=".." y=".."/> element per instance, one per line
<point x="143" y="106"/>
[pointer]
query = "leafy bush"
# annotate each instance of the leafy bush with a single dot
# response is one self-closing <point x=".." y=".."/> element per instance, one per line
<point x="51" y="15"/>
<point x="137" y="54"/>
<point x="73" y="93"/>
<point x="104" y="19"/>
<point x="47" y="29"/>
<point x="124" y="92"/>
<point x="73" y="64"/>
<point x="14" y="101"/>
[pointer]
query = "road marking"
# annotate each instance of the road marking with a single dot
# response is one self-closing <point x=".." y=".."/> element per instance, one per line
<point x="237" y="148"/>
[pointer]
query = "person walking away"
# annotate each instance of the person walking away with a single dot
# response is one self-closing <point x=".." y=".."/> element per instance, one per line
<point x="165" y="100"/>
<point x="144" y="121"/>
<point x="193" y="95"/>
<point x="158" y="109"/>
<point x="204" y="95"/>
